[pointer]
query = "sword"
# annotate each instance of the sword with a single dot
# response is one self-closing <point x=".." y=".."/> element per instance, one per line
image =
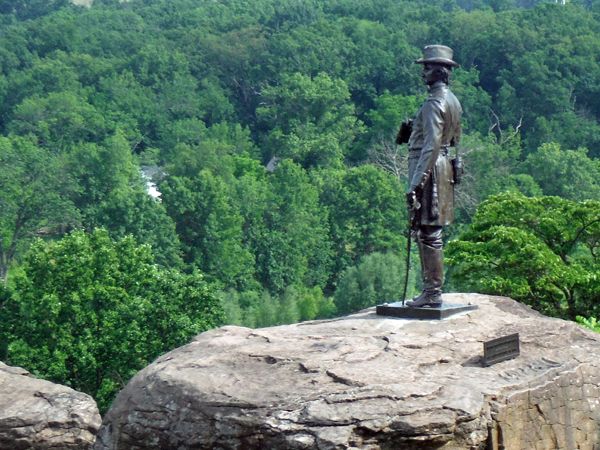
<point x="411" y="218"/>
<point x="407" y="258"/>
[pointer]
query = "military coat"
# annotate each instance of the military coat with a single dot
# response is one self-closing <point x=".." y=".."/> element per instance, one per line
<point x="435" y="129"/>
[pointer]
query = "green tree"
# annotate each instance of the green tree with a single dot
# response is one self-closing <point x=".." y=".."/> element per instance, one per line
<point x="309" y="120"/>
<point x="35" y="195"/>
<point x="366" y="214"/>
<point x="231" y="306"/>
<point x="293" y="248"/>
<point x="314" y="305"/>
<point x="31" y="9"/>
<point x="372" y="61"/>
<point x="475" y="101"/>
<point x="490" y="167"/>
<point x="590" y="323"/>
<point x="542" y="251"/>
<point x="38" y="77"/>
<point x="288" y="306"/>
<point x="377" y="278"/>
<point x="89" y="312"/>
<point x="134" y="108"/>
<point x="389" y="112"/>
<point x="99" y="170"/>
<point x="565" y="173"/>
<point x="209" y="227"/>
<point x="234" y="53"/>
<point x="257" y="309"/>
<point x="131" y="210"/>
<point x="59" y="121"/>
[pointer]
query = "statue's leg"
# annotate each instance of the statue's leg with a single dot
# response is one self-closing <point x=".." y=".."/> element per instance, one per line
<point x="419" y="244"/>
<point x="432" y="264"/>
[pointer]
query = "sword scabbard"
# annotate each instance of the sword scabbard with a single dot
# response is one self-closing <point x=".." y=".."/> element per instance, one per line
<point x="411" y="215"/>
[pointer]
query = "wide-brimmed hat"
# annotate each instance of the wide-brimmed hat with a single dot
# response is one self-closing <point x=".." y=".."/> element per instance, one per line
<point x="437" y="54"/>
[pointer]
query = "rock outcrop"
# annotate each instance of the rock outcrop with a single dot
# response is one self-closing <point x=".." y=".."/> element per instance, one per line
<point x="37" y="414"/>
<point x="369" y="382"/>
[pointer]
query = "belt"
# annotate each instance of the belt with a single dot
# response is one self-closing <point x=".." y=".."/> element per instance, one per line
<point x="443" y="150"/>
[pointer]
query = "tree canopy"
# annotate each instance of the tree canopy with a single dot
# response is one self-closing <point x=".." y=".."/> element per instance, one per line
<point x="90" y="312"/>
<point x="269" y="126"/>
<point x="542" y="251"/>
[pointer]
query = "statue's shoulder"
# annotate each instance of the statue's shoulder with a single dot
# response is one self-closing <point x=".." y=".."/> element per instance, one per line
<point x="440" y="93"/>
<point x="443" y="98"/>
<point x="437" y="99"/>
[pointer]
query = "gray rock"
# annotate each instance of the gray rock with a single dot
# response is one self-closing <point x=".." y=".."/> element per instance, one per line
<point x="369" y="382"/>
<point x="38" y="414"/>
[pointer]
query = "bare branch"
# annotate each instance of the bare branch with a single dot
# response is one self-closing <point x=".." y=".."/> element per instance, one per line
<point x="517" y="128"/>
<point x="390" y="157"/>
<point x="496" y="124"/>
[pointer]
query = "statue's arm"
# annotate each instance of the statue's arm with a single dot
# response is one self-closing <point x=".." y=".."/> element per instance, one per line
<point x="457" y="130"/>
<point x="433" y="126"/>
<point x="457" y="135"/>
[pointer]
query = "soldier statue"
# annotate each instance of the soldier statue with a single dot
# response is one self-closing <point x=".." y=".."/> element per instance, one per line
<point x="433" y="171"/>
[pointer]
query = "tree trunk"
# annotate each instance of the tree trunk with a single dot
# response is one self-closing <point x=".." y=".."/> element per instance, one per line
<point x="4" y="272"/>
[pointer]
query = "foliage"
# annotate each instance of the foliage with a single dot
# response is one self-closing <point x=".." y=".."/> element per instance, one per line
<point x="261" y="309"/>
<point x="389" y="111"/>
<point x="131" y="211"/>
<point x="314" y="305"/>
<point x="246" y="229"/>
<point x="590" y="323"/>
<point x="565" y="173"/>
<point x="34" y="196"/>
<point x="29" y="9"/>
<point x="89" y="312"/>
<point x="189" y="85"/>
<point x="211" y="91"/>
<point x="377" y="278"/>
<point x="491" y="167"/>
<point x="209" y="227"/>
<point x="311" y="120"/>
<point x="542" y="251"/>
<point x="366" y="214"/>
<point x="294" y="247"/>
<point x="100" y="170"/>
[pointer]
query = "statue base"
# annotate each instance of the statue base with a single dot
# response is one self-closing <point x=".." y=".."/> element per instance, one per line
<point x="410" y="312"/>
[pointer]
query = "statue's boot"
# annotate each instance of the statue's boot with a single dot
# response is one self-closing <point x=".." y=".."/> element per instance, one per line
<point x="432" y="271"/>
<point x="422" y="260"/>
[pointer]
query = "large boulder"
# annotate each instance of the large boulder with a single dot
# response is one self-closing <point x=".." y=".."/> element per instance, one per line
<point x="37" y="414"/>
<point x="369" y="382"/>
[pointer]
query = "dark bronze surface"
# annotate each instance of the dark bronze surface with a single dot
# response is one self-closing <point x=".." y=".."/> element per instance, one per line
<point x="501" y="349"/>
<point x="437" y="54"/>
<point x="435" y="128"/>
<point x="444" y="311"/>
<point x="431" y="175"/>
<point x="404" y="133"/>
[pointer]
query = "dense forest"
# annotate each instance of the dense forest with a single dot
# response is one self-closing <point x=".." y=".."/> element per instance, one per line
<point x="269" y="126"/>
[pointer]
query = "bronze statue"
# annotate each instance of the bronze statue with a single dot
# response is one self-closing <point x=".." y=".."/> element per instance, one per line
<point x="432" y="171"/>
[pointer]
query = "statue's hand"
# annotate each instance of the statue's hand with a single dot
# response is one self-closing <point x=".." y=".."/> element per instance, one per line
<point x="411" y="200"/>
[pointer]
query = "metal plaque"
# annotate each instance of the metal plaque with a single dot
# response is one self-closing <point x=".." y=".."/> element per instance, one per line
<point x="500" y="349"/>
